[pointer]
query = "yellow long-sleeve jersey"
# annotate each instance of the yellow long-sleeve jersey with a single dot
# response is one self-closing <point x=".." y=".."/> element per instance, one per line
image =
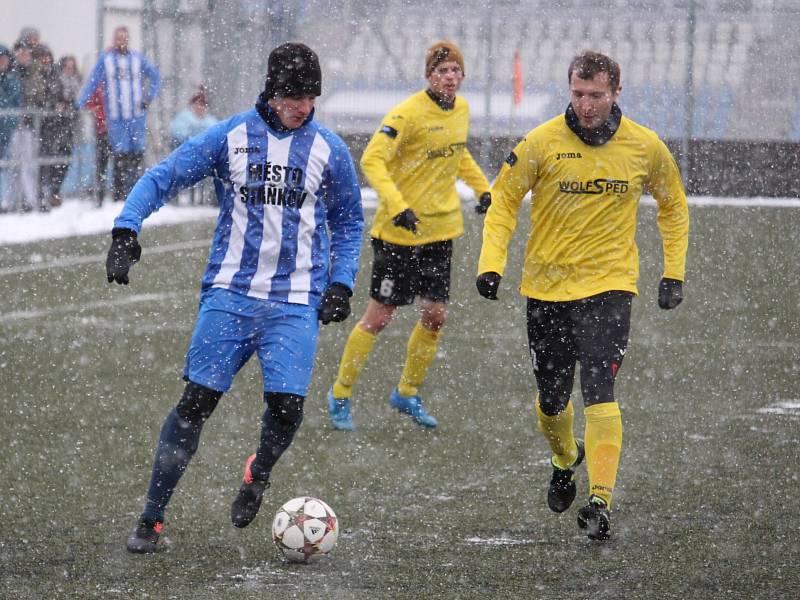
<point x="583" y="210"/>
<point x="412" y="161"/>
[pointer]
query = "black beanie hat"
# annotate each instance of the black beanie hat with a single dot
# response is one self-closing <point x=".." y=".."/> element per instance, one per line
<point x="293" y="70"/>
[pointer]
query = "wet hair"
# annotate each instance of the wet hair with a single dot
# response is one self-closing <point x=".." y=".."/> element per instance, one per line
<point x="588" y="63"/>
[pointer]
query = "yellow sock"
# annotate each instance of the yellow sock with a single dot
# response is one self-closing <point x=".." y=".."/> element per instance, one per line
<point x="603" y="445"/>
<point x="420" y="352"/>
<point x="557" y="430"/>
<point x="356" y="352"/>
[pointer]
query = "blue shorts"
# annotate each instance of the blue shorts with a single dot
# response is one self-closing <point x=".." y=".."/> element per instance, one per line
<point x="231" y="327"/>
<point x="127" y="135"/>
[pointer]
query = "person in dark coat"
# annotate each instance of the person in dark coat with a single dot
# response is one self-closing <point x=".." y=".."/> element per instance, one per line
<point x="24" y="143"/>
<point x="64" y="124"/>
<point x="47" y="95"/>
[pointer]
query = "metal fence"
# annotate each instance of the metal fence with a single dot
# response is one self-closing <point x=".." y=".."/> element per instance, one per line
<point x="29" y="178"/>
<point x="713" y="69"/>
<point x="694" y="71"/>
<point x="709" y="70"/>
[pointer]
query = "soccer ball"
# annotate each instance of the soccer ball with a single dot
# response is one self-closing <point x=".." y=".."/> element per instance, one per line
<point x="305" y="529"/>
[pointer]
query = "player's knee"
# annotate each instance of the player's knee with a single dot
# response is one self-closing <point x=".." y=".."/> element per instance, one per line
<point x="553" y="404"/>
<point x="286" y="408"/>
<point x="598" y="391"/>
<point x="377" y="317"/>
<point x="434" y="322"/>
<point x="434" y="316"/>
<point x="197" y="403"/>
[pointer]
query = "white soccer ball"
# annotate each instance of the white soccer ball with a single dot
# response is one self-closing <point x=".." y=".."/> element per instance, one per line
<point x="305" y="529"/>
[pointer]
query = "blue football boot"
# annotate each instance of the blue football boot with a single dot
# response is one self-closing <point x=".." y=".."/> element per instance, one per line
<point x="412" y="405"/>
<point x="339" y="411"/>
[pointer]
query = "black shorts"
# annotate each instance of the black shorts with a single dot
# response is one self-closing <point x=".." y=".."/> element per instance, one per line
<point x="592" y="331"/>
<point x="399" y="273"/>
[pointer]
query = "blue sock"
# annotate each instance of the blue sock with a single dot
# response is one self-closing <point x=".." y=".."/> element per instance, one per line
<point x="176" y="446"/>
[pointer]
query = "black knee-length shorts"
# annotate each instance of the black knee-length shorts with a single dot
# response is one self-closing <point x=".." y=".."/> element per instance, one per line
<point x="399" y="273"/>
<point x="592" y="331"/>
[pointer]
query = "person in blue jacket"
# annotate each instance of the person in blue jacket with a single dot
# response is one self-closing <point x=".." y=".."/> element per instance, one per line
<point x="192" y="120"/>
<point x="125" y="99"/>
<point x="10" y="97"/>
<point x="282" y="181"/>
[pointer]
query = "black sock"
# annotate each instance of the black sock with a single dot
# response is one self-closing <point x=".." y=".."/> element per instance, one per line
<point x="176" y="446"/>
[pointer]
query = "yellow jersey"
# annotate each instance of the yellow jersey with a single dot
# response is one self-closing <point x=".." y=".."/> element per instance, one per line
<point x="412" y="161"/>
<point x="584" y="202"/>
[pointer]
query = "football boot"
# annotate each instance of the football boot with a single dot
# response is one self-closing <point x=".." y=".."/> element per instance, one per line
<point x="245" y="507"/>
<point x="339" y="412"/>
<point x="593" y="519"/>
<point x="144" y="538"/>
<point x="412" y="406"/>
<point x="562" y="490"/>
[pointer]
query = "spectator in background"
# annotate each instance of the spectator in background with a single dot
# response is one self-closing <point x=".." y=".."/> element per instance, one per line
<point x="30" y="37"/>
<point x="192" y="120"/>
<point x="46" y="96"/>
<point x="24" y="144"/>
<point x="125" y="101"/>
<point x="101" y="146"/>
<point x="10" y="98"/>
<point x="64" y="124"/>
<point x="188" y="123"/>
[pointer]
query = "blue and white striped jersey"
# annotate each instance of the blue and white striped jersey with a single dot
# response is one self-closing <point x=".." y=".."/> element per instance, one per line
<point x="124" y="76"/>
<point x="279" y="193"/>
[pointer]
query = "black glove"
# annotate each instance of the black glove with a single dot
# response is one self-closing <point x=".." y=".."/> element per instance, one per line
<point x="670" y="293"/>
<point x="335" y="303"/>
<point x="145" y="104"/>
<point x="125" y="251"/>
<point x="407" y="220"/>
<point x="487" y="284"/>
<point x="484" y="202"/>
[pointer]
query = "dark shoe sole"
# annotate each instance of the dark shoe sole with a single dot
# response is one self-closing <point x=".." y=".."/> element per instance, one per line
<point x="594" y="523"/>
<point x="138" y="546"/>
<point x="141" y="546"/>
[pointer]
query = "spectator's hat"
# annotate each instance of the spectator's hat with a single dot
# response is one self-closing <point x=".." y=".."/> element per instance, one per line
<point x="293" y="70"/>
<point x="201" y="96"/>
<point x="442" y="51"/>
<point x="28" y="34"/>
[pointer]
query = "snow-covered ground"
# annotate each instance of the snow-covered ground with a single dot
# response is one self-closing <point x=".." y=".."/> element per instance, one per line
<point x="80" y="217"/>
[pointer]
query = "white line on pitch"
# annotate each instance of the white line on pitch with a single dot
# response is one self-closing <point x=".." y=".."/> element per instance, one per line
<point x="100" y="259"/>
<point x="76" y="308"/>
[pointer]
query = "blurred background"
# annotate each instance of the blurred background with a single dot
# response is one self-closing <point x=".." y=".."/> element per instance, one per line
<point x="714" y="78"/>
